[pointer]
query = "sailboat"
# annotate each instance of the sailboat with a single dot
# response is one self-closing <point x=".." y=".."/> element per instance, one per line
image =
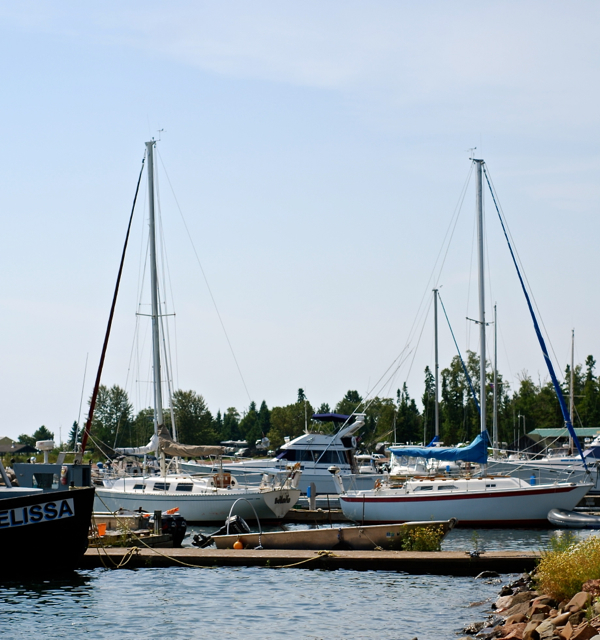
<point x="199" y="499"/>
<point x="475" y="501"/>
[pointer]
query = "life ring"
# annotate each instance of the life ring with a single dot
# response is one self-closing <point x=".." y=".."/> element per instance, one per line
<point x="354" y="442"/>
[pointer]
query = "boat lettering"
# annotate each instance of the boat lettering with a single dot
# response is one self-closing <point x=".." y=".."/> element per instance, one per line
<point x="44" y="512"/>
<point x="283" y="499"/>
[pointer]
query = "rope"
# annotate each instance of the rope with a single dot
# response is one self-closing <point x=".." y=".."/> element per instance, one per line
<point x="320" y="554"/>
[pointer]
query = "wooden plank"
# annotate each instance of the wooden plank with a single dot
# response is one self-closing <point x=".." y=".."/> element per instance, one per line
<point x="453" y="563"/>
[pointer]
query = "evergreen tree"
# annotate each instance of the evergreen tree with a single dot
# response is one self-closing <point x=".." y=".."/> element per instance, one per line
<point x="428" y="401"/>
<point x="112" y="417"/>
<point x="250" y="427"/>
<point x="349" y="404"/>
<point x="194" y="420"/>
<point x="264" y="419"/>
<point x="74" y="435"/>
<point x="231" y="425"/>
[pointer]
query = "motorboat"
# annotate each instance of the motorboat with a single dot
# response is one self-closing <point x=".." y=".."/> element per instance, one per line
<point x="359" y="538"/>
<point x="315" y="452"/>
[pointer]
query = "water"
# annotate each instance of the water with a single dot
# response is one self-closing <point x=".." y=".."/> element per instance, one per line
<point x="257" y="603"/>
<point x="244" y="603"/>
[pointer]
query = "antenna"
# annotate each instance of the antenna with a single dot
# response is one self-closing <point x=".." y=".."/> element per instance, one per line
<point x="472" y="152"/>
<point x="159" y="132"/>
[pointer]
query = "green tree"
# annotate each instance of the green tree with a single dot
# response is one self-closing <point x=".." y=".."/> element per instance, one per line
<point x="113" y="416"/>
<point x="194" y="420"/>
<point x="264" y="419"/>
<point x="231" y="424"/>
<point x="589" y="408"/>
<point x="288" y="421"/>
<point x="25" y="439"/>
<point x="428" y="400"/>
<point x="74" y="435"/>
<point x="408" y="420"/>
<point x="349" y="403"/>
<point x="249" y="426"/>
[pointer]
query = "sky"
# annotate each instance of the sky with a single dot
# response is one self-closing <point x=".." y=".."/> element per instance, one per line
<point x="311" y="160"/>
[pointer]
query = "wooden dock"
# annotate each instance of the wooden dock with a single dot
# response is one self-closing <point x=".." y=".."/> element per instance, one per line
<point x="454" y="563"/>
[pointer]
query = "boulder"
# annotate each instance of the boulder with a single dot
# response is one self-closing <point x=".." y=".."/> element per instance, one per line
<point x="513" y="631"/>
<point x="518" y="617"/>
<point x="579" y="601"/>
<point x="584" y="631"/>
<point x="530" y="631"/>
<point x="545" y="630"/>
<point x="522" y="607"/>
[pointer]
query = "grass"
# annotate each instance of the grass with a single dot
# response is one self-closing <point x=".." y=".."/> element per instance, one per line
<point x="567" y="565"/>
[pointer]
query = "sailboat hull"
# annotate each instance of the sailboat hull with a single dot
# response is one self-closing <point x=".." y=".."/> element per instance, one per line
<point x="518" y="507"/>
<point x="206" y="507"/>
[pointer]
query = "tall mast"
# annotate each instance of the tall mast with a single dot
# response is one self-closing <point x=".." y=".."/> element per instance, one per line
<point x="572" y="388"/>
<point x="479" y="202"/>
<point x="158" y="412"/>
<point x="437" y="365"/>
<point x="495" y="427"/>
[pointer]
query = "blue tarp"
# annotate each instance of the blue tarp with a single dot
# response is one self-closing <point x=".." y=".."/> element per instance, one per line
<point x="475" y="452"/>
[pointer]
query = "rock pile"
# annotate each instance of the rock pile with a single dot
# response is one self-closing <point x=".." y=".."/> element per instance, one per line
<point x="524" y="614"/>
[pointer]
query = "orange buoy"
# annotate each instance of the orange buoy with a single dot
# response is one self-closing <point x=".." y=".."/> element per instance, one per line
<point x="238" y="545"/>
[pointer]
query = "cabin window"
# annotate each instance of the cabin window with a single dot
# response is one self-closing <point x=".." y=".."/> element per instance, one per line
<point x="161" y="486"/>
<point x="139" y="487"/>
<point x="446" y="487"/>
<point x="488" y="486"/>
<point x="424" y="488"/>
<point x="184" y="486"/>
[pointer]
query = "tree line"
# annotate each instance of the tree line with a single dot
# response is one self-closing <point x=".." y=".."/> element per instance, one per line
<point x="533" y="405"/>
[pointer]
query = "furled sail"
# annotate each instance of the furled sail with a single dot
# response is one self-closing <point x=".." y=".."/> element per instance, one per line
<point x="171" y="448"/>
<point x="475" y="452"/>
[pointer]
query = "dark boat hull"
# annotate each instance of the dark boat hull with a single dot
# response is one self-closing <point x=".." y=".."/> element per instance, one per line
<point x="44" y="533"/>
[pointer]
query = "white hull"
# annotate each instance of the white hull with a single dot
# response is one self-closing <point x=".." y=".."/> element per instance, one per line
<point x="209" y="507"/>
<point x="506" y="506"/>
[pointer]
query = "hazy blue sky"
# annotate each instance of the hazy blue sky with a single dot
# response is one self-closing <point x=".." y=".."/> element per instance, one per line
<point x="317" y="151"/>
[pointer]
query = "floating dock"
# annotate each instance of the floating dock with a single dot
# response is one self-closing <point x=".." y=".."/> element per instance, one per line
<point x="453" y="563"/>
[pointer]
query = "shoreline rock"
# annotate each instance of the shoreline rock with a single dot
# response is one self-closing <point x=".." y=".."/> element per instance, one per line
<point x="521" y="613"/>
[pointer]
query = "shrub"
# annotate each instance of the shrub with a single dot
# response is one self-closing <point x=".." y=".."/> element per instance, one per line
<point x="564" y="569"/>
<point x="424" y="539"/>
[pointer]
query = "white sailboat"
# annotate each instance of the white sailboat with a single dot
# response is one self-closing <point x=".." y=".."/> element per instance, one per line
<point x="199" y="499"/>
<point x="482" y="501"/>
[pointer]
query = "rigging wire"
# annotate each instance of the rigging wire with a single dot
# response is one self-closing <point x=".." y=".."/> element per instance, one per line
<point x="423" y="309"/>
<point x="461" y="358"/>
<point x="520" y="262"/>
<point x="206" y="282"/>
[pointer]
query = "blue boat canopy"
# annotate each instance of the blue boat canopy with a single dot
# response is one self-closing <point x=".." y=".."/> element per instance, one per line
<point x="475" y="452"/>
<point x="330" y="417"/>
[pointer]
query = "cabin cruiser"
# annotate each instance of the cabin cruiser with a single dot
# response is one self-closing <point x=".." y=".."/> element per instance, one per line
<point x="315" y="452"/>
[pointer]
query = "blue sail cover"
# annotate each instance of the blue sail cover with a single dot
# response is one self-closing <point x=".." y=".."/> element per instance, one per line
<point x="475" y="452"/>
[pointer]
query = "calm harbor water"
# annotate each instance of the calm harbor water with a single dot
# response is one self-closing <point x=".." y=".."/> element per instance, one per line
<point x="257" y="603"/>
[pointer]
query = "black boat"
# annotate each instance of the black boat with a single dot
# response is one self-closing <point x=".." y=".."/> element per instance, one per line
<point x="43" y="534"/>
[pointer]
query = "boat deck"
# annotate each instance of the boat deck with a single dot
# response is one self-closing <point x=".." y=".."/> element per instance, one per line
<point x="454" y="563"/>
